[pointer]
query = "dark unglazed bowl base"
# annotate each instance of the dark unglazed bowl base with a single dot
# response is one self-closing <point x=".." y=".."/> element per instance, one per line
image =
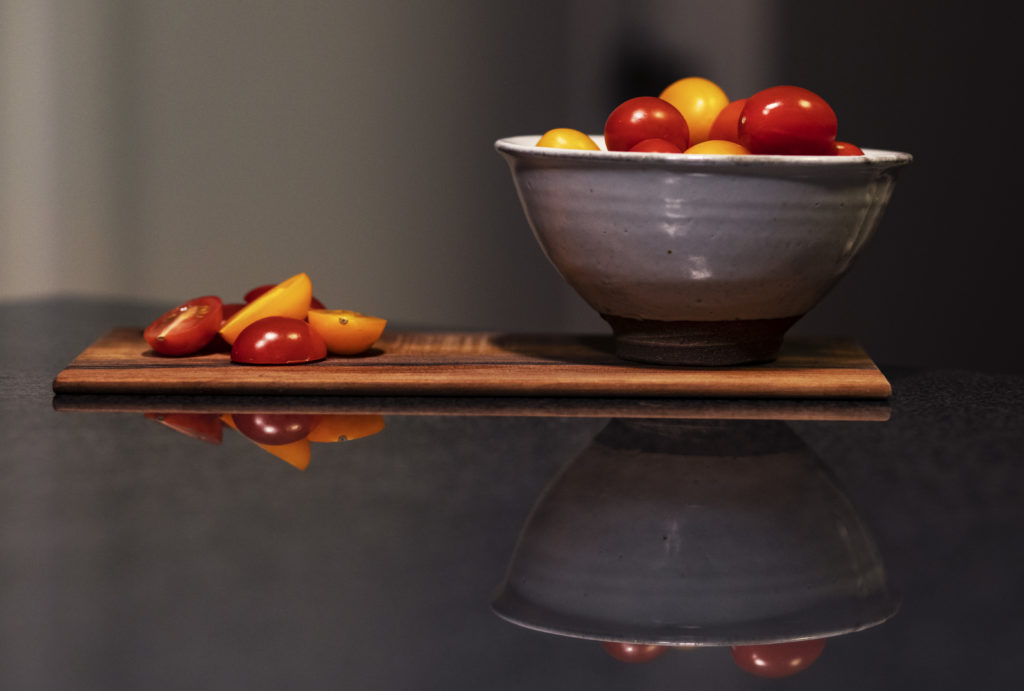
<point x="699" y="343"/>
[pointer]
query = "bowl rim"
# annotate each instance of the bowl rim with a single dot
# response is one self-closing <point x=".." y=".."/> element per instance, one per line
<point x="525" y="146"/>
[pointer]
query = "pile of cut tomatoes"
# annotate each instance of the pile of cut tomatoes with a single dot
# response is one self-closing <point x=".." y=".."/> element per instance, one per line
<point x="277" y="324"/>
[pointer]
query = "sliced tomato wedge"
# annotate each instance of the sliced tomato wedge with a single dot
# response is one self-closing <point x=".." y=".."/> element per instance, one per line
<point x="187" y="328"/>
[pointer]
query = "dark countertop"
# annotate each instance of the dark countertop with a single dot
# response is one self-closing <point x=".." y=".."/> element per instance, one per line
<point x="137" y="557"/>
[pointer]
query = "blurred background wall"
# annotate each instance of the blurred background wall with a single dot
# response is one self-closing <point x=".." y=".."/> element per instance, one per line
<point x="162" y="149"/>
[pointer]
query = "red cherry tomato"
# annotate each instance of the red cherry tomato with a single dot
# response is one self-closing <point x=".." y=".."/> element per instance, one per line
<point x="658" y="146"/>
<point x="788" y="120"/>
<point x="202" y="426"/>
<point x="256" y="292"/>
<point x="778" y="660"/>
<point x="274" y="429"/>
<point x="847" y="149"/>
<point x="278" y="341"/>
<point x="633" y="652"/>
<point x="645" y="117"/>
<point x="727" y="122"/>
<point x="187" y="328"/>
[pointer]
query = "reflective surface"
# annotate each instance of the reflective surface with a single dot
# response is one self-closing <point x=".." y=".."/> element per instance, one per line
<point x="139" y="556"/>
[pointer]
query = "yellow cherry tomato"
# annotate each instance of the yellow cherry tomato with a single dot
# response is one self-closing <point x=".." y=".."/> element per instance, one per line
<point x="718" y="147"/>
<point x="346" y="427"/>
<point x="566" y="138"/>
<point x="699" y="100"/>
<point x="290" y="298"/>
<point x="346" y="332"/>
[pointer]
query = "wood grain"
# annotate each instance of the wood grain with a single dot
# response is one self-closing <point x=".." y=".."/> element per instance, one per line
<point x="475" y="364"/>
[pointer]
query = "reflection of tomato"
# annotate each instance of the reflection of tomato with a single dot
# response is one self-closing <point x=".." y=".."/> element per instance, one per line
<point x="202" y="426"/>
<point x="726" y="124"/>
<point x="633" y="652"/>
<point x="778" y="659"/>
<point x="256" y="292"/>
<point x="656" y="146"/>
<point x="567" y="138"/>
<point x="788" y="120"/>
<point x="274" y="428"/>
<point x="187" y="328"/>
<point x="645" y="117"/>
<point x="278" y="341"/>
<point x="345" y="427"/>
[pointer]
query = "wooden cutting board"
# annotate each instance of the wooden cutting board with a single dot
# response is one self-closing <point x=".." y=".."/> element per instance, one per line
<point x="475" y="364"/>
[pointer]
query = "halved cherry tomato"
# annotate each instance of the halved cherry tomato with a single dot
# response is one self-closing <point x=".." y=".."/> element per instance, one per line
<point x="256" y="292"/>
<point x="274" y="429"/>
<point x="718" y="147"/>
<point x="278" y="341"/>
<point x="633" y="652"/>
<point x="296" y="453"/>
<point x="567" y="138"/>
<point x="700" y="101"/>
<point x="345" y="427"/>
<point x="187" y="328"/>
<point x="847" y="149"/>
<point x="290" y="298"/>
<point x="645" y="117"/>
<point x="776" y="660"/>
<point x="656" y="146"/>
<point x="202" y="426"/>
<point x="726" y="124"/>
<point x="788" y="120"/>
<point x="346" y="332"/>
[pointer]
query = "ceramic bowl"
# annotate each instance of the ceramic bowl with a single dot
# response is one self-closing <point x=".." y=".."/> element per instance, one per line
<point x="700" y="259"/>
<point x="695" y="533"/>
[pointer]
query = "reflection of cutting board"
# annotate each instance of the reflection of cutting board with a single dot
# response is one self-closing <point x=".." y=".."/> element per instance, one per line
<point x="475" y="364"/>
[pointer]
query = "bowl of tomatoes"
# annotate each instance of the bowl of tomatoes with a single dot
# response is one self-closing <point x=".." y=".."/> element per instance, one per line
<point x="702" y="229"/>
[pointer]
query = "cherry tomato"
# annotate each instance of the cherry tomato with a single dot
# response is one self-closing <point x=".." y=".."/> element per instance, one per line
<point x="346" y="332"/>
<point x="700" y="101"/>
<point x="256" y="292"/>
<point x="278" y="341"/>
<point x="847" y="149"/>
<point x="345" y="427"/>
<point x="645" y="117"/>
<point x="290" y="298"/>
<point x="202" y="426"/>
<point x="718" y="147"/>
<point x="658" y="146"/>
<point x="187" y="328"/>
<point x="567" y="138"/>
<point x="778" y="660"/>
<point x="633" y="652"/>
<point x="788" y="120"/>
<point x="274" y="429"/>
<point x="727" y="122"/>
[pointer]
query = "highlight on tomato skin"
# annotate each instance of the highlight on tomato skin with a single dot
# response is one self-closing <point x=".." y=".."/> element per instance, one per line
<point x="633" y="653"/>
<point x="847" y="149"/>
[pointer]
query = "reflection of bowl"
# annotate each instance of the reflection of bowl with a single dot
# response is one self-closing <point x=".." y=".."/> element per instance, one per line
<point x="721" y="533"/>
<point x="700" y="259"/>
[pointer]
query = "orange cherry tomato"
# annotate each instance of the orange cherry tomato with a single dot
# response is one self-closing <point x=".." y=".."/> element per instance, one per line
<point x="567" y="138"/>
<point x="290" y="298"/>
<point x="718" y="147"/>
<point x="346" y="332"/>
<point x="700" y="101"/>
<point x="777" y="660"/>
<point x="726" y="124"/>
<point x="187" y="328"/>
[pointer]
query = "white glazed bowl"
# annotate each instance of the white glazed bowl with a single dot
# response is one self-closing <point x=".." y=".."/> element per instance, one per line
<point x="700" y="259"/>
